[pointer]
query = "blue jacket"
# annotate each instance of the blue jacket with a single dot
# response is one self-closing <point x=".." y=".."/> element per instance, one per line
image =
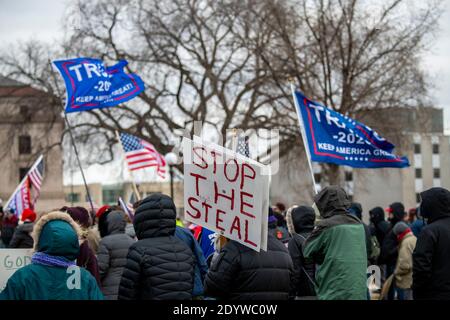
<point x="417" y="226"/>
<point x="201" y="268"/>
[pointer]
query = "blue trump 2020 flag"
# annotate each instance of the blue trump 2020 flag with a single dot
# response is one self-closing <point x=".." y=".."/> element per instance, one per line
<point x="91" y="85"/>
<point x="335" y="138"/>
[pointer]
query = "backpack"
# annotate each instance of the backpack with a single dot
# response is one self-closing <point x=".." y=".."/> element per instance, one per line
<point x="376" y="248"/>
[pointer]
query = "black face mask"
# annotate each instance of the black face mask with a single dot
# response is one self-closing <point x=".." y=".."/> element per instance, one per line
<point x="421" y="213"/>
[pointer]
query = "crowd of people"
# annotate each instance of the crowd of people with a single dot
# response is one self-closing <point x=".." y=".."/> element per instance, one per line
<point x="313" y="252"/>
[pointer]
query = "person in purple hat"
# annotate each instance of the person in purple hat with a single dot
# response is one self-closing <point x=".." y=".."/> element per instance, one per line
<point x="86" y="258"/>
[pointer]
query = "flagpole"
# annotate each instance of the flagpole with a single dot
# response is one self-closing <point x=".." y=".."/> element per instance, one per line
<point x="23" y="179"/>
<point x="69" y="127"/>
<point x="79" y="162"/>
<point x="303" y="134"/>
<point x="135" y="189"/>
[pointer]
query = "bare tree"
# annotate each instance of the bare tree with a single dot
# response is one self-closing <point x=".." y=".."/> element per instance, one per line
<point x="354" y="56"/>
<point x="198" y="59"/>
<point x="228" y="63"/>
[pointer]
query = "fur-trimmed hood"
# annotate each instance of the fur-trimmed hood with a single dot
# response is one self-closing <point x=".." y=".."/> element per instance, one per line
<point x="300" y="219"/>
<point x="56" y="233"/>
<point x="289" y="222"/>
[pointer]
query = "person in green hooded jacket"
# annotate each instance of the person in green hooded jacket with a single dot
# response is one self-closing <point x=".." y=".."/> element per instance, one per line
<point x="338" y="246"/>
<point x="53" y="273"/>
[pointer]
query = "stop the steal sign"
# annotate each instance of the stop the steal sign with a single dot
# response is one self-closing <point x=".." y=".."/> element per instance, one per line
<point x="226" y="192"/>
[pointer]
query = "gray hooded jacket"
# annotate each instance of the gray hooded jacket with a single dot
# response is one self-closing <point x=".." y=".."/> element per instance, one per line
<point x="112" y="254"/>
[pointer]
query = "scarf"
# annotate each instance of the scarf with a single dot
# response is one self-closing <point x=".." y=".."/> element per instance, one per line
<point x="52" y="261"/>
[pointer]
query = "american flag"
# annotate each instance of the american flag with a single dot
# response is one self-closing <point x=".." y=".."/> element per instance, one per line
<point x="22" y="198"/>
<point x="36" y="174"/>
<point x="242" y="146"/>
<point x="142" y="154"/>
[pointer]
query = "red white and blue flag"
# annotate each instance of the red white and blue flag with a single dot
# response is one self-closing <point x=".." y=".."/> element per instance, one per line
<point x="336" y="138"/>
<point x="22" y="198"/>
<point x="142" y="154"/>
<point x="92" y="85"/>
<point x="36" y="175"/>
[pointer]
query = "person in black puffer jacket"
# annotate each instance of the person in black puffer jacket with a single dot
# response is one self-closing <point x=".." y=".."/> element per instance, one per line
<point x="431" y="258"/>
<point x="112" y="254"/>
<point x="300" y="221"/>
<point x="241" y="273"/>
<point x="159" y="266"/>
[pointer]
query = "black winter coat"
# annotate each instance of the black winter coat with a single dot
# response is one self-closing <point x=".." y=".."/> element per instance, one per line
<point x="21" y="238"/>
<point x="389" y="246"/>
<point x="112" y="254"/>
<point x="304" y="273"/>
<point x="381" y="226"/>
<point x="431" y="257"/>
<point x="159" y="266"/>
<point x="240" y="273"/>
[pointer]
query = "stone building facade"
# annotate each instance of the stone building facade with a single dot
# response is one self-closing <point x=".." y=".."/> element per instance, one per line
<point x="30" y="125"/>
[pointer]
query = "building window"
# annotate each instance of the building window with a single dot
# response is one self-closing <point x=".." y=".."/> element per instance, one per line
<point x="435" y="149"/>
<point x="24" y="144"/>
<point x="416" y="148"/>
<point x="111" y="196"/>
<point x="73" y="197"/>
<point x="418" y="173"/>
<point x="24" y="111"/>
<point x="317" y="177"/>
<point x="436" y="173"/>
<point x="348" y="176"/>
<point x="418" y="199"/>
<point x="23" y="172"/>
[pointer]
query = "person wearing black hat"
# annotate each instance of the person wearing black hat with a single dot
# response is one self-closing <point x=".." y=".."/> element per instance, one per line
<point x="300" y="221"/>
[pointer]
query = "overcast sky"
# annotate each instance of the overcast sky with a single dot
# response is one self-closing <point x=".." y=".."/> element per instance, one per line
<point x="33" y="19"/>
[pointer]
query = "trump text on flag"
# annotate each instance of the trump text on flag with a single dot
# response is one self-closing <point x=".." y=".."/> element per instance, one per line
<point x="336" y="138"/>
<point x="91" y="85"/>
<point x="225" y="192"/>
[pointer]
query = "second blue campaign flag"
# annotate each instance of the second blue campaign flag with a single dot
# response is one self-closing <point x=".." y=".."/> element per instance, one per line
<point x="335" y="138"/>
<point x="91" y="85"/>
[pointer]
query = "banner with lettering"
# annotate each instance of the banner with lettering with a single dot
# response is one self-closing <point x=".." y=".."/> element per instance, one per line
<point x="12" y="260"/>
<point x="91" y="85"/>
<point x="226" y="192"/>
<point x="335" y="138"/>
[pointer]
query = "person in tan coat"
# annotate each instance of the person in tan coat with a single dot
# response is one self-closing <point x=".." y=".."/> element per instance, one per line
<point x="404" y="267"/>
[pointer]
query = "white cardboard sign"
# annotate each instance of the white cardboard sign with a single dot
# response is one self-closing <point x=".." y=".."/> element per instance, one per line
<point x="226" y="192"/>
<point x="10" y="261"/>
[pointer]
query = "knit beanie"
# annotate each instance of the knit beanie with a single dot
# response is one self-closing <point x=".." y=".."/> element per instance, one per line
<point x="80" y="215"/>
<point x="400" y="227"/>
<point x="29" y="215"/>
